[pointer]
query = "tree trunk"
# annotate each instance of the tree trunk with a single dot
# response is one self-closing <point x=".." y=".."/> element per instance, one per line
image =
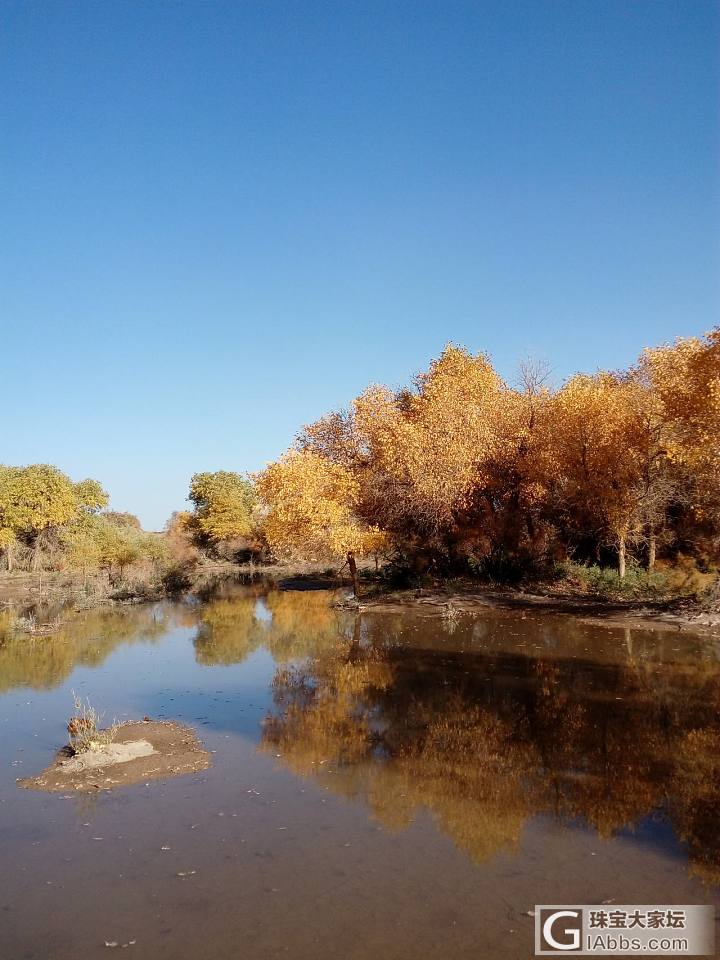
<point x="9" y="557"/>
<point x="352" y="566"/>
<point x="652" y="551"/>
<point x="36" y="554"/>
<point x="621" y="556"/>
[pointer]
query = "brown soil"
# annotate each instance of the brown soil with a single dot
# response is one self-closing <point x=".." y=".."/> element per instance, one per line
<point x="176" y="752"/>
<point x="592" y="610"/>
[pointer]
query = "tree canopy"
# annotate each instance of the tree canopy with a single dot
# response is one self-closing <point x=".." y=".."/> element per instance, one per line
<point x="462" y="468"/>
<point x="224" y="505"/>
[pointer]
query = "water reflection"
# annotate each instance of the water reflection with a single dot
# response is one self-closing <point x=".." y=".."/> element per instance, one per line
<point x="484" y="721"/>
<point x="86" y="639"/>
<point x="235" y="621"/>
<point x="291" y="625"/>
<point x="488" y="721"/>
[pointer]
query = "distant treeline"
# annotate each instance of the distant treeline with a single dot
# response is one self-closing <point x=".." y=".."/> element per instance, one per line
<point x="462" y="471"/>
<point x="47" y="522"/>
<point x="458" y="473"/>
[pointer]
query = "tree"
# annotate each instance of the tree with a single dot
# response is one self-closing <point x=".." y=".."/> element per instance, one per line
<point x="96" y="541"/>
<point x="600" y="448"/>
<point x="428" y="448"/>
<point x="7" y="539"/>
<point x="461" y="469"/>
<point x="515" y="486"/>
<point x="34" y="499"/>
<point x="40" y="498"/>
<point x="684" y="379"/>
<point x="120" y="519"/>
<point x="178" y="535"/>
<point x="312" y="510"/>
<point x="224" y="505"/>
<point x="90" y="495"/>
<point x="82" y="548"/>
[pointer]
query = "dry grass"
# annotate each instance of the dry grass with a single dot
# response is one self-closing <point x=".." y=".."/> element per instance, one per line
<point x="84" y="727"/>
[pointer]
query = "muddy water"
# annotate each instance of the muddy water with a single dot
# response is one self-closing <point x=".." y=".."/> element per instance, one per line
<point x="393" y="785"/>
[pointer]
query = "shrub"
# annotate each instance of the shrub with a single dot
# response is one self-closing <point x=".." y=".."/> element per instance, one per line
<point x="606" y="582"/>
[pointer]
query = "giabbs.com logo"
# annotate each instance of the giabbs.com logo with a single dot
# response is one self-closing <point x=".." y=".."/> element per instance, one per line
<point x="609" y="929"/>
<point x="559" y="929"/>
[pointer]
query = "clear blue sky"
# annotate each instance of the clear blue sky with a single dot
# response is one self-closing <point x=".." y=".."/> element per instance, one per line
<point x="222" y="219"/>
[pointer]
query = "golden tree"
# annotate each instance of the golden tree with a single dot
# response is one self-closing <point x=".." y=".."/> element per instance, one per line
<point x="90" y="495"/>
<point x="428" y="448"/>
<point x="224" y="505"/>
<point x="684" y="379"/>
<point x="38" y="498"/>
<point x="312" y="510"/>
<point x="461" y="469"/>
<point x="599" y="445"/>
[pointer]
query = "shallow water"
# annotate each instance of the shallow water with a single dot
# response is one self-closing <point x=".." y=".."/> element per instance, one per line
<point x="395" y="785"/>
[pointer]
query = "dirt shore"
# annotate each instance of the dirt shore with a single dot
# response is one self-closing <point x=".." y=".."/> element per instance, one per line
<point x="658" y="616"/>
<point x="58" y="589"/>
<point x="49" y="590"/>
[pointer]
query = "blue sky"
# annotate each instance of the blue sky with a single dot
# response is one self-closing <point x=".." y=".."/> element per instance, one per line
<point x="221" y="220"/>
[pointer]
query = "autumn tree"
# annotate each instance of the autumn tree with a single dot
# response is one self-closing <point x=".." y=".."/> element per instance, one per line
<point x="90" y="495"/>
<point x="428" y="447"/>
<point x="82" y="549"/>
<point x="684" y="380"/>
<point x="312" y="510"/>
<point x="39" y="498"/>
<point x="122" y="519"/>
<point x="460" y="468"/>
<point x="178" y="535"/>
<point x="515" y="487"/>
<point x="224" y="506"/>
<point x="599" y="445"/>
<point x="450" y="466"/>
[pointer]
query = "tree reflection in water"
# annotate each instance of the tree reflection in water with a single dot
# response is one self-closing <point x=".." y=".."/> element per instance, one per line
<point x="292" y="625"/>
<point x="482" y="720"/>
<point x="85" y="638"/>
<point x="505" y="717"/>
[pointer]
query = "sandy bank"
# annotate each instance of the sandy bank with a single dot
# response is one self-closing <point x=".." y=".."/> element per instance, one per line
<point x="142" y="751"/>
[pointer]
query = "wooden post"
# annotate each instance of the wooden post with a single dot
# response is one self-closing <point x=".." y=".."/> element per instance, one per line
<point x="352" y="566"/>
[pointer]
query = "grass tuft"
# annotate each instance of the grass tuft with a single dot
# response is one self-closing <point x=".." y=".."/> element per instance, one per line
<point x="84" y="727"/>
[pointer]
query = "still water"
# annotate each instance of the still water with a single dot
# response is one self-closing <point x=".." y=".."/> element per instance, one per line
<point x="401" y="785"/>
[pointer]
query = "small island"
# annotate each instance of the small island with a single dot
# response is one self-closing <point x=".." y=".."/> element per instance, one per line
<point x="139" y="751"/>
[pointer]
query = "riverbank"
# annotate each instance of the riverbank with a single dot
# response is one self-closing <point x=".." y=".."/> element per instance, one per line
<point x="51" y="592"/>
<point x="676" y="614"/>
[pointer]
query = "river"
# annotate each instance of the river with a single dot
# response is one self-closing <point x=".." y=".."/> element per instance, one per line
<point x="395" y="785"/>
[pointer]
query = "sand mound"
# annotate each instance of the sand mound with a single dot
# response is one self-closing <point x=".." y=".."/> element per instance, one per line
<point x="144" y="751"/>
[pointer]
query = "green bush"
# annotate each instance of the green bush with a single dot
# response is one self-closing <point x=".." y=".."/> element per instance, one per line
<point x="605" y="581"/>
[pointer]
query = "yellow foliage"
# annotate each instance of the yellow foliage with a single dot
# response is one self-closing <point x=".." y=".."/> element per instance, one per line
<point x="686" y="379"/>
<point x="312" y="504"/>
<point x="462" y="464"/>
<point x="36" y="497"/>
<point x="224" y="505"/>
<point x="428" y="449"/>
